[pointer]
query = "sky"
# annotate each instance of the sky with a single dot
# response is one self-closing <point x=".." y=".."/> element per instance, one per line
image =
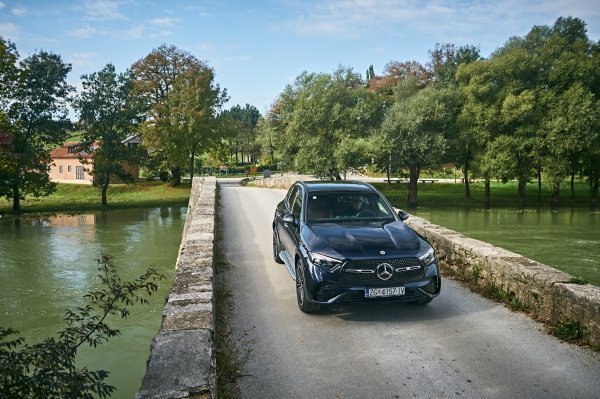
<point x="258" y="47"/>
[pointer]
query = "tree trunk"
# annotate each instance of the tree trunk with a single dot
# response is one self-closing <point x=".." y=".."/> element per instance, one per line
<point x="554" y="198"/>
<point x="16" y="199"/>
<point x="486" y="193"/>
<point x="572" y="183"/>
<point x="522" y="185"/>
<point x="539" y="176"/>
<point x="466" y="176"/>
<point x="412" y="187"/>
<point x="389" y="167"/>
<point x="105" y="189"/>
<point x="176" y="175"/>
<point x="467" y="185"/>
<point x="192" y="163"/>
<point x="595" y="184"/>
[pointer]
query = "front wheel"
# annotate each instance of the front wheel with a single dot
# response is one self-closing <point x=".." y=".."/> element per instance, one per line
<point x="276" y="249"/>
<point x="303" y="303"/>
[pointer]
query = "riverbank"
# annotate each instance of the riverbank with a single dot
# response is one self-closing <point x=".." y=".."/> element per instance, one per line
<point x="77" y="198"/>
<point x="503" y="195"/>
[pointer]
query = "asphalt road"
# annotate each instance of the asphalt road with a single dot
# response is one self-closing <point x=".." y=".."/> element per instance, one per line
<point x="459" y="346"/>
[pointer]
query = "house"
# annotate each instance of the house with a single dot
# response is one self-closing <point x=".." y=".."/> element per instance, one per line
<point x="67" y="164"/>
<point x="71" y="164"/>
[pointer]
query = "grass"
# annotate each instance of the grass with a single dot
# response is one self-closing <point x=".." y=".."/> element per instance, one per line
<point x="231" y="355"/>
<point x="76" y="197"/>
<point x="448" y="195"/>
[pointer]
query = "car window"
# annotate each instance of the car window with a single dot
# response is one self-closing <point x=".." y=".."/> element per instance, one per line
<point x="297" y="204"/>
<point x="289" y="200"/>
<point x="325" y="207"/>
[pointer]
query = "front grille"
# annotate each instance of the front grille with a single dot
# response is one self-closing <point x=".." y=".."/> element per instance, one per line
<point x="368" y="268"/>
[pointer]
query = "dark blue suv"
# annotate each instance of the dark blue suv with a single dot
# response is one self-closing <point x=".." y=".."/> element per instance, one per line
<point x="343" y="242"/>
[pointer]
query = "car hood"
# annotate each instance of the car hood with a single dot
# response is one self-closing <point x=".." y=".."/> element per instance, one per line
<point x="361" y="240"/>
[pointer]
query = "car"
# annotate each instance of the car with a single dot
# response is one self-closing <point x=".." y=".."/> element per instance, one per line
<point x="344" y="242"/>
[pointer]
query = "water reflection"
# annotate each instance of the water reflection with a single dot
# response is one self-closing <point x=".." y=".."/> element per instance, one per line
<point x="49" y="263"/>
<point x="568" y="239"/>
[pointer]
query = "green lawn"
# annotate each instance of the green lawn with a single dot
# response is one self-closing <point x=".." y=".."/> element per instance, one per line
<point x="75" y="197"/>
<point x="451" y="195"/>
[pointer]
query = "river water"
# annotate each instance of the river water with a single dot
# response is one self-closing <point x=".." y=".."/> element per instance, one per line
<point x="48" y="263"/>
<point x="568" y="240"/>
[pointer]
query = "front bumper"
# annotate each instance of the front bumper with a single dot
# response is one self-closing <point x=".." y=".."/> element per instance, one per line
<point x="327" y="287"/>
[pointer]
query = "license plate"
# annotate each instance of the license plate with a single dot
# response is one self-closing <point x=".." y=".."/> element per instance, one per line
<point x="382" y="292"/>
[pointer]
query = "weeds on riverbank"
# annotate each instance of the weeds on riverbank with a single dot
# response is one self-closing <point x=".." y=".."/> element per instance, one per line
<point x="231" y="354"/>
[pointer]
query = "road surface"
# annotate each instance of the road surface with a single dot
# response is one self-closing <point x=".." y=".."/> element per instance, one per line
<point x="459" y="346"/>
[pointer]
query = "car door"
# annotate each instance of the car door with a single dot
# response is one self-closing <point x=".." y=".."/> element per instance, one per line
<point x="283" y="231"/>
<point x="292" y="230"/>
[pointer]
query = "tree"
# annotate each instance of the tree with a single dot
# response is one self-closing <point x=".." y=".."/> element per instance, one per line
<point x="49" y="369"/>
<point x="154" y="78"/>
<point x="34" y="100"/>
<point x="245" y="139"/>
<point x="413" y="132"/>
<point x="327" y="116"/>
<point x="109" y="113"/>
<point x="195" y="102"/>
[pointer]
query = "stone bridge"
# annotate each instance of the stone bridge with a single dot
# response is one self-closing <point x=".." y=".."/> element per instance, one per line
<point x="182" y="364"/>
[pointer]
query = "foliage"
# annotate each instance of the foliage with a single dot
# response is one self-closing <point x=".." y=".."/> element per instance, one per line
<point x="324" y="116"/>
<point x="109" y="113"/>
<point x="194" y="103"/>
<point x="244" y="140"/>
<point x="412" y="134"/>
<point x="48" y="369"/>
<point x="569" y="330"/>
<point x="33" y="114"/>
<point x="176" y="113"/>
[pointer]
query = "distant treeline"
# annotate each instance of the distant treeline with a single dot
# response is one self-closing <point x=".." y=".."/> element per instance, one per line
<point x="529" y="111"/>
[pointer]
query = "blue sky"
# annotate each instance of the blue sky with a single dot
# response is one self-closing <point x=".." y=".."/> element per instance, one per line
<point x="257" y="47"/>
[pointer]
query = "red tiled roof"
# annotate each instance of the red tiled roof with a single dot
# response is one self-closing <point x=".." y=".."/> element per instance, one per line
<point x="63" y="151"/>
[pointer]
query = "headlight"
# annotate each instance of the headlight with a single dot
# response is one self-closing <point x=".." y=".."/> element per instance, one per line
<point x="324" y="261"/>
<point x="429" y="257"/>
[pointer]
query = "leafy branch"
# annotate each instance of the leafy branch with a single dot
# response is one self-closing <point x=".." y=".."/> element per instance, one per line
<point x="48" y="369"/>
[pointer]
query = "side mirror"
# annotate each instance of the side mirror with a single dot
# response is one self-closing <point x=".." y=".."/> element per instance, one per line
<point x="402" y="215"/>
<point x="289" y="218"/>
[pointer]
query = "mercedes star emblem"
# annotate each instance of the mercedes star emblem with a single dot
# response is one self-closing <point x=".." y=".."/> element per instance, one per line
<point x="385" y="271"/>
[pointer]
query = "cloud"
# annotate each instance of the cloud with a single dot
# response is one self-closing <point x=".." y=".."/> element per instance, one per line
<point x="102" y="10"/>
<point x="84" y="32"/>
<point x="440" y="19"/>
<point x="2" y="5"/>
<point x="163" y="22"/>
<point x="18" y="11"/>
<point x="10" y="30"/>
<point x="83" y="59"/>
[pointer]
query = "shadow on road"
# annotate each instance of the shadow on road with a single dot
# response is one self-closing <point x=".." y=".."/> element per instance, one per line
<point x="443" y="307"/>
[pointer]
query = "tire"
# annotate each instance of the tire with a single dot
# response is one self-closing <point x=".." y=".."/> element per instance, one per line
<point x="303" y="303"/>
<point x="276" y="249"/>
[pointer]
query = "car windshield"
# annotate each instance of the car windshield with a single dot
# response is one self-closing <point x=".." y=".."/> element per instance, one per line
<point x="333" y="207"/>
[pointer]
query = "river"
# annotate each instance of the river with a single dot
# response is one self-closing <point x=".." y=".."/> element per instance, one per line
<point x="568" y="240"/>
<point x="48" y="262"/>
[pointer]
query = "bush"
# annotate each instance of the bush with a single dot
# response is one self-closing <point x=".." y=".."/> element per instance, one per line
<point x="48" y="369"/>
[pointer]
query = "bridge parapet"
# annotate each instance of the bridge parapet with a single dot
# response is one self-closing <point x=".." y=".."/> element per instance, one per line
<point x="181" y="362"/>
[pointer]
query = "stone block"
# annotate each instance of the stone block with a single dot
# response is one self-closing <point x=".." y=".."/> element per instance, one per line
<point x="180" y="365"/>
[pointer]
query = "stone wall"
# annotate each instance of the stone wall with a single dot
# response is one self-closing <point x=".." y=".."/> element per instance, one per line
<point x="545" y="290"/>
<point x="277" y="182"/>
<point x="181" y="362"/>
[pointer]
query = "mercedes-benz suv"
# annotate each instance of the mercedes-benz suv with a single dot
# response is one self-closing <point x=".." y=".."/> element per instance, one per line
<point x="343" y="242"/>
